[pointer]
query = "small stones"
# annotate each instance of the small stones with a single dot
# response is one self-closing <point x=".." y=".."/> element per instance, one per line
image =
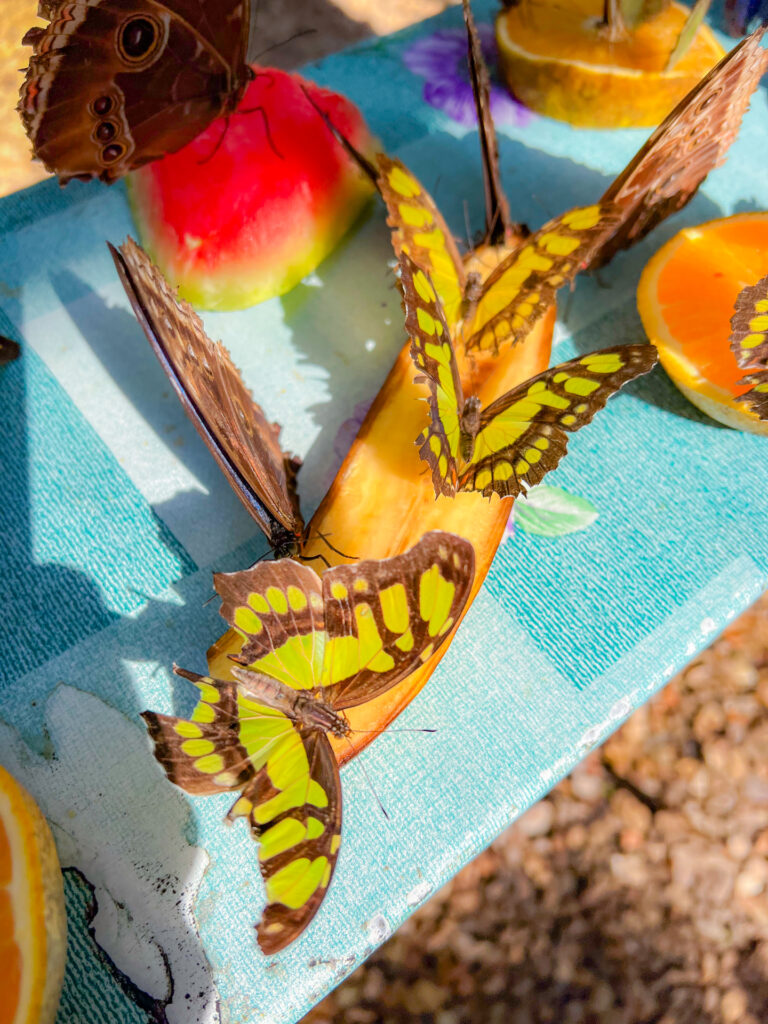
<point x="594" y="907"/>
<point x="537" y="821"/>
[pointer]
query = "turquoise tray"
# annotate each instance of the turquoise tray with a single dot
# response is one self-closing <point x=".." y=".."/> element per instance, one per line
<point x="114" y="514"/>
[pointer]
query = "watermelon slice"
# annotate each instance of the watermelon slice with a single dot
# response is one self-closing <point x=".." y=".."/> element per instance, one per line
<point x="252" y="205"/>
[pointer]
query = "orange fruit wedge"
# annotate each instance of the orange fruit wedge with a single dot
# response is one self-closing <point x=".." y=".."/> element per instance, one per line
<point x="559" y="61"/>
<point x="686" y="296"/>
<point x="33" y="928"/>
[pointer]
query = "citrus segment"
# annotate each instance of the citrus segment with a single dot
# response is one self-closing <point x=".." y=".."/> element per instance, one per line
<point x="686" y="298"/>
<point x="558" y="62"/>
<point x="32" y="916"/>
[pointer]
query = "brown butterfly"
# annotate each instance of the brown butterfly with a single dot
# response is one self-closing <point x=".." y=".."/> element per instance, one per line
<point x="691" y="141"/>
<point x="245" y="445"/>
<point x="113" y="84"/>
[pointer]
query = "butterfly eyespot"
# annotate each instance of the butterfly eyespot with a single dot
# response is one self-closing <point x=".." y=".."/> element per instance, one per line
<point x="106" y="131"/>
<point x="102" y="105"/>
<point x="708" y="100"/>
<point x="111" y="153"/>
<point x="138" y="37"/>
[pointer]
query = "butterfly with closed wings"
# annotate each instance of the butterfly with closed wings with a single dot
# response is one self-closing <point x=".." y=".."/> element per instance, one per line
<point x="112" y="84"/>
<point x="312" y="647"/>
<point x="213" y="394"/>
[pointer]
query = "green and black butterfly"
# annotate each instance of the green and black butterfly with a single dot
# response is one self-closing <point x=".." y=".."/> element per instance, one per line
<point x="749" y="343"/>
<point x="312" y="647"/>
<point x="512" y="443"/>
<point x="239" y="436"/>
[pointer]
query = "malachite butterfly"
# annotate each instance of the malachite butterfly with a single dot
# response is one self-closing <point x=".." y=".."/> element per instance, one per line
<point x="311" y="647"/>
<point x="749" y="343"/>
<point x="662" y="178"/>
<point x="211" y="389"/>
<point x="516" y="440"/>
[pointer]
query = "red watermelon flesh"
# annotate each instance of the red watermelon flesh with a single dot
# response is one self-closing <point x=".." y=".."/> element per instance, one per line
<point x="249" y="208"/>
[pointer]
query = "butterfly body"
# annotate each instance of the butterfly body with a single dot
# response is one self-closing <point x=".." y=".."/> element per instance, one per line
<point x="113" y="84"/>
<point x="307" y="710"/>
<point x="469" y="425"/>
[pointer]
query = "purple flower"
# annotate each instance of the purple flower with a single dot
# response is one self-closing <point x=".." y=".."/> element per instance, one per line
<point x="442" y="60"/>
<point x="740" y="14"/>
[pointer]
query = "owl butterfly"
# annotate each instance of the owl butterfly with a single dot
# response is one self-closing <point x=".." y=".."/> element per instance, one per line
<point x="312" y="647"/>
<point x="749" y="343"/>
<point x="213" y="394"/>
<point x="660" y="180"/>
<point x="112" y="84"/>
<point x="516" y="440"/>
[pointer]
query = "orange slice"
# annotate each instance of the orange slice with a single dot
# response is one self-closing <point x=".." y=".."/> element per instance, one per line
<point x="686" y="296"/>
<point x="556" y="61"/>
<point x="33" y="928"/>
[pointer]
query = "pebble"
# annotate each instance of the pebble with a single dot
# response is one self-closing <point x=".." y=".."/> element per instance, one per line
<point x="593" y="909"/>
<point x="537" y="821"/>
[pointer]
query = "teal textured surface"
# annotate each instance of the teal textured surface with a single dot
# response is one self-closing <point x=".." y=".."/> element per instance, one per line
<point x="114" y="515"/>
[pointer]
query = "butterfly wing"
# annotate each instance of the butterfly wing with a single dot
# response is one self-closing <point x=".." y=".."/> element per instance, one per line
<point x="215" y="398"/>
<point x="523" y="286"/>
<point x="749" y="326"/>
<point x="418" y="229"/>
<point x="689" y="143"/>
<point x="749" y="343"/>
<point x="203" y="754"/>
<point x="277" y="608"/>
<point x="523" y="435"/>
<point x="110" y="87"/>
<point x="498" y="222"/>
<point x="432" y="352"/>
<point x="291" y="793"/>
<point x="359" y="630"/>
<point x="757" y="396"/>
<point x="383" y="619"/>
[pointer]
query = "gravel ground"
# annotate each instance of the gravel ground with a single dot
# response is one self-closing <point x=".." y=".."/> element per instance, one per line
<point x="636" y="893"/>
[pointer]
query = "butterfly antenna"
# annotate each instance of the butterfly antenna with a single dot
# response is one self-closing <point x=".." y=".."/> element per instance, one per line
<point x="283" y="42"/>
<point x="467" y="226"/>
<point x="325" y="536"/>
<point x="265" y="122"/>
<point x="391" y="729"/>
<point x="314" y="558"/>
<point x="362" y="162"/>
<point x="218" y="145"/>
<point x="382" y="808"/>
<point x="568" y="305"/>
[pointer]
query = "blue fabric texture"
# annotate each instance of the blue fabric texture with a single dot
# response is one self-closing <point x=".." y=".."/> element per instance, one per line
<point x="114" y="515"/>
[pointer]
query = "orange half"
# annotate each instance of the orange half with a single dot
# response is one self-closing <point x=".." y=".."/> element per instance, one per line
<point x="33" y="929"/>
<point x="686" y="296"/>
<point x="556" y="60"/>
